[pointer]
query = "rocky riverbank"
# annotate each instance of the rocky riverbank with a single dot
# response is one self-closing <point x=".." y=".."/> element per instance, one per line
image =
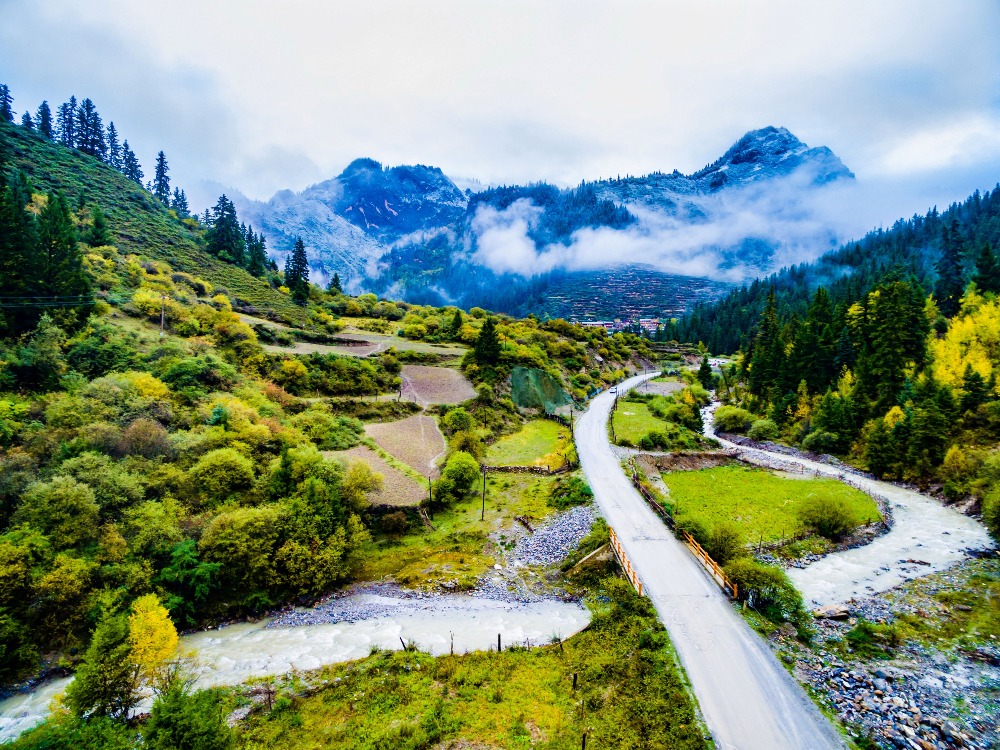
<point x="927" y="693"/>
<point x="510" y="583"/>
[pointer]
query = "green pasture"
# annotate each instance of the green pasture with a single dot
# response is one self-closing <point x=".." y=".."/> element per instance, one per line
<point x="761" y="504"/>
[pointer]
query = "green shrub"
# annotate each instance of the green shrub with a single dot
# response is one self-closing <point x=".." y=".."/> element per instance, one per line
<point x="732" y="419"/>
<point x="458" y="479"/>
<point x="821" y="442"/>
<point x="220" y="474"/>
<point x="182" y="720"/>
<point x="828" y="516"/>
<point x="725" y="543"/>
<point x="63" y="508"/>
<point x="569" y="491"/>
<point x="767" y="589"/>
<point x="873" y="641"/>
<point x="763" y="429"/>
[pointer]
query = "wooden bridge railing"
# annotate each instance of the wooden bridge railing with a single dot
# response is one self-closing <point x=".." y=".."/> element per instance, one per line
<point x="714" y="569"/>
<point x="625" y="563"/>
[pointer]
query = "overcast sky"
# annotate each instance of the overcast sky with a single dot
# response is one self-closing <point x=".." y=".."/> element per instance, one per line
<point x="264" y="96"/>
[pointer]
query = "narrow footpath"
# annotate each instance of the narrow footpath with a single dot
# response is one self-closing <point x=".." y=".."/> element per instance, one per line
<point x="748" y="700"/>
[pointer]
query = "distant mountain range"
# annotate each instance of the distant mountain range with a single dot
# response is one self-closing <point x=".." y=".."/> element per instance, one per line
<point x="410" y="232"/>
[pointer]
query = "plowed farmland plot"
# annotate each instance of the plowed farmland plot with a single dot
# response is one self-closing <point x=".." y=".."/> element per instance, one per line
<point x="398" y="490"/>
<point x="415" y="441"/>
<point x="435" y="385"/>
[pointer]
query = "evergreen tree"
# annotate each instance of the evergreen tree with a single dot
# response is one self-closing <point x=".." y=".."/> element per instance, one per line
<point x="948" y="290"/>
<point x="256" y="254"/>
<point x="67" y="122"/>
<point x="114" y="148"/>
<point x="335" y="287"/>
<point x="767" y="356"/>
<point x="161" y="182"/>
<point x="297" y="272"/>
<point x="43" y="120"/>
<point x="179" y="203"/>
<point x="487" y="348"/>
<point x="90" y="130"/>
<point x="6" y="104"/>
<point x="98" y="234"/>
<point x="19" y="258"/>
<point x="224" y="237"/>
<point x="975" y="390"/>
<point x="457" y="321"/>
<point x="26" y="122"/>
<point x="987" y="275"/>
<point x="182" y="720"/>
<point x="130" y="165"/>
<point x="705" y="373"/>
<point x="106" y="683"/>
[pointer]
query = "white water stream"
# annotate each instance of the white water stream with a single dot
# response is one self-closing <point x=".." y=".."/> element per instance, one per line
<point x="235" y="653"/>
<point x="926" y="536"/>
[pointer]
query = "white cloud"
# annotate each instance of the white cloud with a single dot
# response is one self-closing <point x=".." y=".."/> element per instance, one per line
<point x="272" y="95"/>
<point x="954" y="143"/>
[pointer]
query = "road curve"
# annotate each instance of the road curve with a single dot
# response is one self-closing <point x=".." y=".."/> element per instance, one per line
<point x="748" y="700"/>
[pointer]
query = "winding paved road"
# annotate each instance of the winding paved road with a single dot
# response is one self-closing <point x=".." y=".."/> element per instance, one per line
<point x="748" y="700"/>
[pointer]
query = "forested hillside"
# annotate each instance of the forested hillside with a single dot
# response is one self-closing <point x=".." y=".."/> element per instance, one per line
<point x="911" y="249"/>
<point x="885" y="352"/>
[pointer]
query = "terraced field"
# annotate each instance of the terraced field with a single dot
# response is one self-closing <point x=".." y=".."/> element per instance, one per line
<point x="398" y="489"/>
<point x="435" y="385"/>
<point x="416" y="441"/>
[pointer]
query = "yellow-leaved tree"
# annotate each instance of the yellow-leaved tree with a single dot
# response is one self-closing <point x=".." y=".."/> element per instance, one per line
<point x="152" y="636"/>
<point x="973" y="338"/>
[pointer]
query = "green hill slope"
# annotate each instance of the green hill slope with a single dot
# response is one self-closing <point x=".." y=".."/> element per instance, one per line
<point x="139" y="223"/>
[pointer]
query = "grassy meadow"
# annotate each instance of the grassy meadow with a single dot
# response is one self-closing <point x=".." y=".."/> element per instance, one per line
<point x="761" y="504"/>
<point x="539" y="443"/>
<point x="633" y="421"/>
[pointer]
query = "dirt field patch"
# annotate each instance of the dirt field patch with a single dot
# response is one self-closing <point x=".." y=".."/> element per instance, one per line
<point x="435" y="385"/>
<point x="661" y="387"/>
<point x="415" y="441"/>
<point x="398" y="490"/>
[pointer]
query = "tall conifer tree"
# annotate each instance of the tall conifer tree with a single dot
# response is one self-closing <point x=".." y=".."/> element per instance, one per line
<point x="161" y="182"/>
<point x="297" y="272"/>
<point x="114" y="150"/>
<point x="987" y="275"/>
<point x="130" y="165"/>
<point x="43" y="120"/>
<point x="487" y="348"/>
<point x="948" y="289"/>
<point x="6" y="104"/>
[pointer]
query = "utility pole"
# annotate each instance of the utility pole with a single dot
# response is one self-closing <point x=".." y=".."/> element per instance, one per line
<point x="482" y="517"/>
<point x="163" y="312"/>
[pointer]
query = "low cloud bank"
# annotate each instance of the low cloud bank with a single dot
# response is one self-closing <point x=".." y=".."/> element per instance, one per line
<point x="731" y="235"/>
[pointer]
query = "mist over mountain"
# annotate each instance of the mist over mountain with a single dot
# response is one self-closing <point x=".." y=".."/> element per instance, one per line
<point x="411" y="232"/>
